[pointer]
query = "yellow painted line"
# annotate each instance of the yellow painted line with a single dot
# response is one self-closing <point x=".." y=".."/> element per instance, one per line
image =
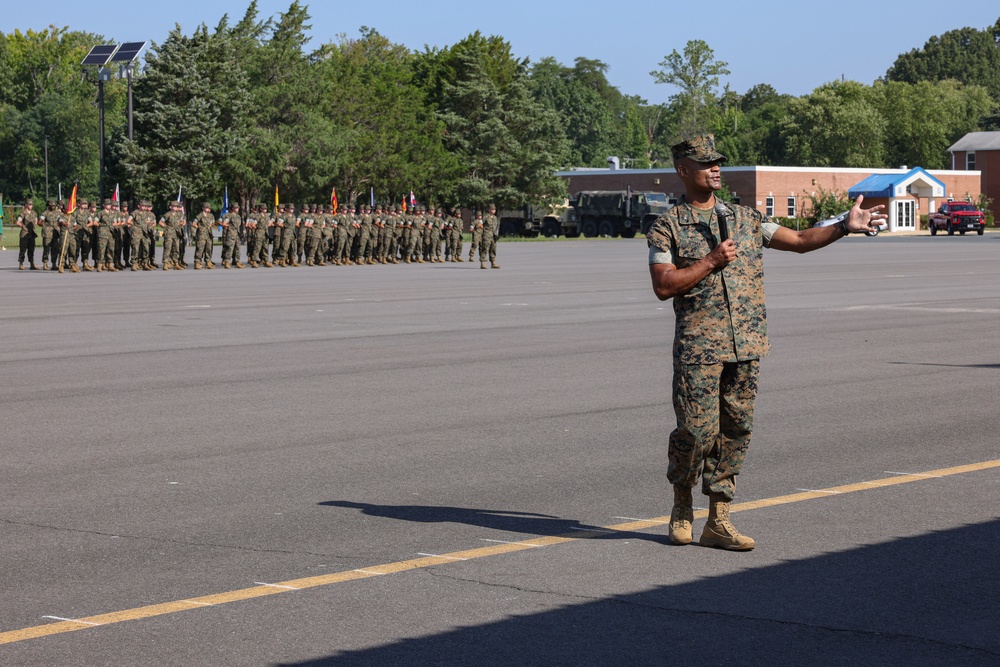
<point x="73" y="625"/>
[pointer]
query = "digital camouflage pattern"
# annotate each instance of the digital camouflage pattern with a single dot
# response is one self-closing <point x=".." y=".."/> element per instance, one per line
<point x="723" y="318"/>
<point x="700" y="148"/>
<point x="714" y="408"/>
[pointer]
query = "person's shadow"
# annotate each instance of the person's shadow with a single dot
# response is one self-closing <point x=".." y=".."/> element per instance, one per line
<point x="503" y="520"/>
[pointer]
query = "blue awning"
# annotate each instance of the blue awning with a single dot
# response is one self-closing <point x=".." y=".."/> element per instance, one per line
<point x="887" y="186"/>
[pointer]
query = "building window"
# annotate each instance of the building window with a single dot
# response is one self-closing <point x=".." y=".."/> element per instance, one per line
<point x="970" y="161"/>
<point x="791" y="207"/>
<point x="769" y="206"/>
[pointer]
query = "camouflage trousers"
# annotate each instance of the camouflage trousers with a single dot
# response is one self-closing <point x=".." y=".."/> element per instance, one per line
<point x="477" y="241"/>
<point x="50" y="239"/>
<point x="203" y="247"/>
<point x="488" y="247"/>
<point x="714" y="408"/>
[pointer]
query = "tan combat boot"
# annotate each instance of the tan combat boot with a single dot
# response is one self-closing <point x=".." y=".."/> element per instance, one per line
<point x="197" y="266"/>
<point x="719" y="532"/>
<point x="87" y="267"/>
<point x="482" y="265"/>
<point x="494" y="265"/>
<point x="73" y="268"/>
<point x="681" y="516"/>
<point x="225" y="265"/>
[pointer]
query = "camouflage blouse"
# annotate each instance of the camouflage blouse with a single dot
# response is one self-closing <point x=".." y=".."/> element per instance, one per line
<point x="723" y="318"/>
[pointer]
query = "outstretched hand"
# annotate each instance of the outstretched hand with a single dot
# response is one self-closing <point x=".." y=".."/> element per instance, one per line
<point x="865" y="219"/>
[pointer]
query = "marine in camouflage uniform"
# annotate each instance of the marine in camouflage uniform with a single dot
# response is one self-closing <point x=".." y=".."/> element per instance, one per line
<point x="27" y="221"/>
<point x="231" y="222"/>
<point x="123" y="252"/>
<point x="81" y="227"/>
<point x="329" y="229"/>
<point x="720" y="332"/>
<point x="173" y="223"/>
<point x="47" y="221"/>
<point x="143" y="241"/>
<point x="203" y="224"/>
<point x="491" y="231"/>
<point x="456" y="239"/>
<point x="343" y="239"/>
<point x="66" y="249"/>
<point x="107" y="220"/>
<point x="477" y="236"/>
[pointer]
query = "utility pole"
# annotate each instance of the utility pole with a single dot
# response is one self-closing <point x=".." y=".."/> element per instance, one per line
<point x="46" y="167"/>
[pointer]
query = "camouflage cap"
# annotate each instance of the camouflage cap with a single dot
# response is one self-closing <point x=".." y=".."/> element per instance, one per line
<point x="145" y="202"/>
<point x="82" y="202"/>
<point x="205" y="204"/>
<point x="700" y="148"/>
<point x="108" y="202"/>
<point x="50" y="203"/>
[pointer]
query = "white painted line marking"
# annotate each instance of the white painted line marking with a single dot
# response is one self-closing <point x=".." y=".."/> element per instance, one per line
<point x="526" y="544"/>
<point x="197" y="306"/>
<point x="820" y="491"/>
<point x="71" y="620"/>
<point x="288" y="588"/>
<point x="513" y="304"/>
<point x="911" y="474"/>
<point x="440" y="556"/>
<point x="917" y="308"/>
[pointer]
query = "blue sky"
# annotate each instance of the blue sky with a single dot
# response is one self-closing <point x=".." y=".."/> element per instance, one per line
<point x="794" y="46"/>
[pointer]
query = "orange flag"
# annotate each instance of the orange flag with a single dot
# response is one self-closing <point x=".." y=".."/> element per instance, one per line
<point x="72" y="199"/>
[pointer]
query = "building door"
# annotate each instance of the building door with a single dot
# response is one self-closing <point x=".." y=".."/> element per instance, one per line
<point x="905" y="218"/>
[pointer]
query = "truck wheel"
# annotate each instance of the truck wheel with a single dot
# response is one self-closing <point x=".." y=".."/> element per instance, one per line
<point x="606" y="228"/>
<point x="589" y="229"/>
<point x="628" y="233"/>
<point x="951" y="230"/>
<point x="550" y="229"/>
<point x="980" y="232"/>
<point x="961" y="232"/>
<point x="933" y="229"/>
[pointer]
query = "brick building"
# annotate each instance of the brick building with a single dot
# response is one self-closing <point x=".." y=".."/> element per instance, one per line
<point x="980" y="152"/>
<point x="785" y="192"/>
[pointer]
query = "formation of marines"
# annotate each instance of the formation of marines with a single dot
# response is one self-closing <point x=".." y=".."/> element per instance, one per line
<point x="115" y="238"/>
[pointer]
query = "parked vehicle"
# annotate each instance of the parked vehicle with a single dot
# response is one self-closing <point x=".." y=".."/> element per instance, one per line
<point x="534" y="220"/>
<point x="614" y="212"/>
<point x="954" y="216"/>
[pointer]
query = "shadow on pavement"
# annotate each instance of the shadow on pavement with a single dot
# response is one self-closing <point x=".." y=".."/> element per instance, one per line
<point x="927" y="600"/>
<point x="503" y="520"/>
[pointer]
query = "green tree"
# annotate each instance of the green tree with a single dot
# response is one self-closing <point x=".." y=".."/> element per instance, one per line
<point x="837" y="125"/>
<point x="190" y="115"/>
<point x="696" y="73"/>
<point x="507" y="143"/>
<point x="43" y="95"/>
<point x="923" y="119"/>
<point x="392" y="142"/>
<point x="968" y="55"/>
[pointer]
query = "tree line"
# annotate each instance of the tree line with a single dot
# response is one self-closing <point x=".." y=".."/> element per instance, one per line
<point x="251" y="106"/>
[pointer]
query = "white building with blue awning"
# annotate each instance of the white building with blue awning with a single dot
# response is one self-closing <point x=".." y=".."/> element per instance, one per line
<point x="901" y="194"/>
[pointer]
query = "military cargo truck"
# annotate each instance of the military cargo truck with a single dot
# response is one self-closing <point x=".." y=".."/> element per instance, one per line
<point x="534" y="220"/>
<point x="615" y="212"/>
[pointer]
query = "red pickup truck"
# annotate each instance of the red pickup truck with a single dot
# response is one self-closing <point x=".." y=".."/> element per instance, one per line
<point x="958" y="217"/>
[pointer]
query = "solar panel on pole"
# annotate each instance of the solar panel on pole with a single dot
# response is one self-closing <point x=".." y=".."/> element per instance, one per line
<point x="100" y="54"/>
<point x="128" y="52"/>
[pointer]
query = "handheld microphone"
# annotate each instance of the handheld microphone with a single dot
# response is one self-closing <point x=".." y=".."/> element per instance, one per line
<point x="722" y="213"/>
